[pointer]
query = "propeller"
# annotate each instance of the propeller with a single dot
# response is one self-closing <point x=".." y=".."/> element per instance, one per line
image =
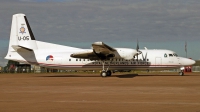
<point x="144" y="58"/>
<point x="137" y="48"/>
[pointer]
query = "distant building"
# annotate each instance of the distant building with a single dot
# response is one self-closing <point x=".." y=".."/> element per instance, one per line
<point x="197" y="63"/>
<point x="22" y="68"/>
<point x="196" y="66"/>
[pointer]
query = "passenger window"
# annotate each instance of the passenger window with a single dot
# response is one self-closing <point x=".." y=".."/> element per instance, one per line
<point x="76" y="59"/>
<point x="69" y="59"/>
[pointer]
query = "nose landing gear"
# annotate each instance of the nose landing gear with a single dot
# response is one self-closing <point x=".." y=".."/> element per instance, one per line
<point x="181" y="73"/>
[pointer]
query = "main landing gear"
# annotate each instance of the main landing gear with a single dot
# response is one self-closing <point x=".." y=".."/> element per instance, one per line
<point x="105" y="73"/>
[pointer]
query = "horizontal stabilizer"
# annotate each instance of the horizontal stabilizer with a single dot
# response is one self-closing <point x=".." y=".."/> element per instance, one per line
<point x="16" y="47"/>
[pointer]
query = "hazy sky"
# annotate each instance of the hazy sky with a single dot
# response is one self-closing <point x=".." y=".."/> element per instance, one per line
<point x="157" y="24"/>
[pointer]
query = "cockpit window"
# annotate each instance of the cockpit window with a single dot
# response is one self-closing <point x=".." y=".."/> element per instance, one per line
<point x="170" y="55"/>
<point x="175" y="55"/>
<point x="165" y="55"/>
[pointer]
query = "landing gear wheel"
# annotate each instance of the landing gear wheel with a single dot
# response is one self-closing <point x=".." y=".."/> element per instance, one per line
<point x="103" y="74"/>
<point x="181" y="73"/>
<point x="108" y="73"/>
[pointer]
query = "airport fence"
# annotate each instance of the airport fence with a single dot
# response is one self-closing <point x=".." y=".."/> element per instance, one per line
<point x="196" y="69"/>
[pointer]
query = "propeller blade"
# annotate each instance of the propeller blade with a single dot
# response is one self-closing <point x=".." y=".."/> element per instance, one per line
<point x="143" y="57"/>
<point x="146" y="56"/>
<point x="137" y="48"/>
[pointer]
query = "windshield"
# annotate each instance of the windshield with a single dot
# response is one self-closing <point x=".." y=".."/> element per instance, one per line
<point x="175" y="55"/>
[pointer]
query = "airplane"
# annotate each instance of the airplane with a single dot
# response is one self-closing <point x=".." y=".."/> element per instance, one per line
<point x="24" y="48"/>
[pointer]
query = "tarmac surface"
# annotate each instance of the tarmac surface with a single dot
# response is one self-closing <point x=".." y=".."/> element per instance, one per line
<point x="84" y="92"/>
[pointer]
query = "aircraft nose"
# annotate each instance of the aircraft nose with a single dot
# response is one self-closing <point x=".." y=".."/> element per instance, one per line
<point x="187" y="62"/>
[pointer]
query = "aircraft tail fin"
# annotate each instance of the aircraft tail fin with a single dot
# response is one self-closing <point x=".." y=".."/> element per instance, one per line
<point x="21" y="34"/>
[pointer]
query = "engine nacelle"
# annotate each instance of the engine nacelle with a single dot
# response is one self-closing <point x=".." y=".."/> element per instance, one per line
<point x="125" y="53"/>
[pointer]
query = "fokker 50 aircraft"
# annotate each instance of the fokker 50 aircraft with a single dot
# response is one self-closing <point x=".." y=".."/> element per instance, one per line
<point x="24" y="48"/>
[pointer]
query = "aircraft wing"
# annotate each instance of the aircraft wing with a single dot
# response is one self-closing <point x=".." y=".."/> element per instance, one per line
<point x="100" y="50"/>
<point x="100" y="47"/>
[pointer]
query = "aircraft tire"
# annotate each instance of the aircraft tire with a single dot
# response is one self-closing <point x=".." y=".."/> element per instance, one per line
<point x="181" y="73"/>
<point x="108" y="73"/>
<point x="103" y="74"/>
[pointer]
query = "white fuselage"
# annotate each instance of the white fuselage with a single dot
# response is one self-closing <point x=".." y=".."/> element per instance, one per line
<point x="58" y="56"/>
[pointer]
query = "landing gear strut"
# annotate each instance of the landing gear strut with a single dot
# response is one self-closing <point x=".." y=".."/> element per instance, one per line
<point x="106" y="72"/>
